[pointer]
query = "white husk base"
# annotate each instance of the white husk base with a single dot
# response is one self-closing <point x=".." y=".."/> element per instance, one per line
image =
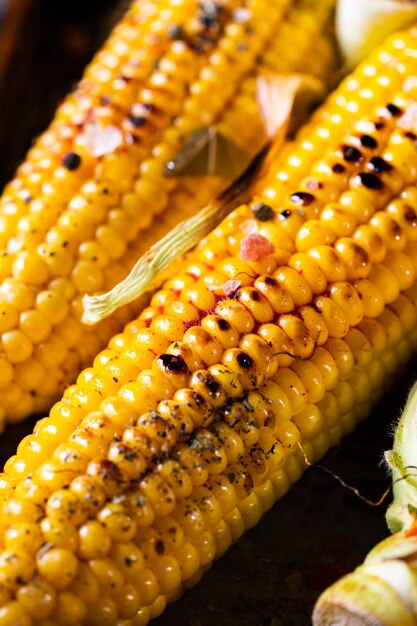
<point x="363" y="24"/>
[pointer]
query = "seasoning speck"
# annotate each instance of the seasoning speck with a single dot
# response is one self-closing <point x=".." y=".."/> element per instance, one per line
<point x="241" y="15"/>
<point x="101" y="140"/>
<point x="231" y="286"/>
<point x="71" y="161"/>
<point x="262" y="212"/>
<point x="175" y="31"/>
<point x="248" y="227"/>
<point x="255" y="248"/>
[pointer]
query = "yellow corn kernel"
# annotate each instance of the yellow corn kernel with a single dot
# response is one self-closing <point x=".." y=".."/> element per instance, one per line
<point x="69" y="221"/>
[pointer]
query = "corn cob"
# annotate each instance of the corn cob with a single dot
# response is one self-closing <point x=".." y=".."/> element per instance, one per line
<point x="88" y="200"/>
<point x="278" y="331"/>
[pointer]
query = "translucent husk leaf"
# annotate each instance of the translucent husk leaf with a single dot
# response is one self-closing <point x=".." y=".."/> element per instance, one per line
<point x="363" y="24"/>
<point x="278" y="97"/>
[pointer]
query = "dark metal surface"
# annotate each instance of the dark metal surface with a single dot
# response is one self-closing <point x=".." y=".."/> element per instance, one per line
<point x="56" y="41"/>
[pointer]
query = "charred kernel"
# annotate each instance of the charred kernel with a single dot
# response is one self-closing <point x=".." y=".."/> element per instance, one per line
<point x="351" y="154"/>
<point x="173" y="364"/>
<point x="302" y="198"/>
<point x="245" y="361"/>
<point x="379" y="165"/>
<point x="338" y="168"/>
<point x="410" y="216"/>
<point x="370" y="181"/>
<point x="262" y="212"/>
<point x="369" y="142"/>
<point x="213" y="386"/>
<point x="393" y="110"/>
<point x="71" y="161"/>
<point x="223" y="324"/>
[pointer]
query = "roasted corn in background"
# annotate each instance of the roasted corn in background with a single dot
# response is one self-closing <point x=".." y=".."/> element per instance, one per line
<point x="273" y="340"/>
<point x="91" y="196"/>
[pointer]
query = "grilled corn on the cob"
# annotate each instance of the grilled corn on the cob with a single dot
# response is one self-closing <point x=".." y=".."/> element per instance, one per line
<point x="279" y="331"/>
<point x="89" y="198"/>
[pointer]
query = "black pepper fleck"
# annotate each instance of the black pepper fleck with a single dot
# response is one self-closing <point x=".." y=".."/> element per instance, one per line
<point x="338" y="168"/>
<point x="369" y="142"/>
<point x="175" y="31"/>
<point x="351" y="154"/>
<point x="71" y="161"/>
<point x="262" y="212"/>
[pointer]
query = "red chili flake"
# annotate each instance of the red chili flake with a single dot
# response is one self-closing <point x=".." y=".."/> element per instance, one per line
<point x="255" y="248"/>
<point x="231" y="286"/>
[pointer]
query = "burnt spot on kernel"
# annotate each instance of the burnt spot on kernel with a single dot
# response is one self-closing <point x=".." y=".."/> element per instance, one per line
<point x="262" y="212"/>
<point x="338" y="168"/>
<point x="254" y="295"/>
<point x="198" y="399"/>
<point x="107" y="470"/>
<point x="247" y="482"/>
<point x="379" y="125"/>
<point x="379" y="165"/>
<point x="173" y="364"/>
<point x="244" y="360"/>
<point x="212" y="385"/>
<point x="160" y="547"/>
<point x="286" y="213"/>
<point x="71" y="161"/>
<point x="302" y="198"/>
<point x="410" y="135"/>
<point x="223" y="324"/>
<point x="360" y="254"/>
<point x="370" y="181"/>
<point x="393" y="110"/>
<point x="410" y="215"/>
<point x="351" y="154"/>
<point x="369" y="142"/>
<point x="270" y="281"/>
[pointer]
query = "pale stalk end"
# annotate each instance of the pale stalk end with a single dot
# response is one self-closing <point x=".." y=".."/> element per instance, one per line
<point x="363" y="24"/>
